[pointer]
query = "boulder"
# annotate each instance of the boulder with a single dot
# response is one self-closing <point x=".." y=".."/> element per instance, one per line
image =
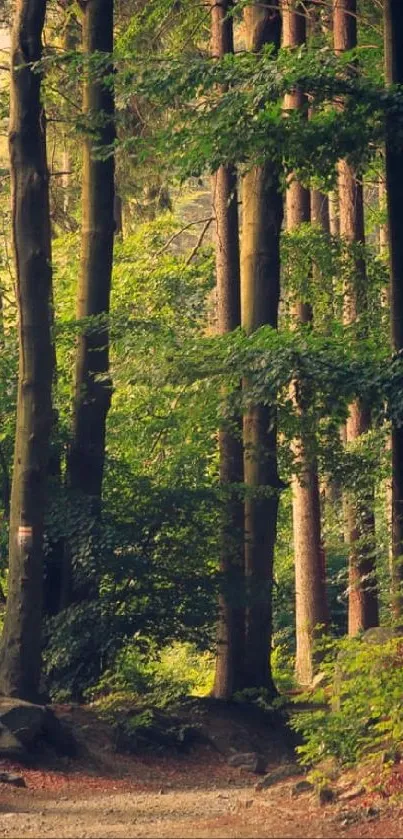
<point x="10" y="746"/>
<point x="24" y="725"/>
<point x="23" y="719"/>
<point x="58" y="735"/>
<point x="301" y="787"/>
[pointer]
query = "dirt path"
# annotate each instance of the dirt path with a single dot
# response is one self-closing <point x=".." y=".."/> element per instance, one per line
<point x="195" y="795"/>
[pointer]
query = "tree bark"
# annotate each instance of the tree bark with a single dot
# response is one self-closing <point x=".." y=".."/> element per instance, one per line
<point x="363" y="597"/>
<point x="310" y="589"/>
<point x="92" y="382"/>
<point x="393" y="28"/>
<point x="262" y="213"/>
<point x="231" y="621"/>
<point x="20" y="654"/>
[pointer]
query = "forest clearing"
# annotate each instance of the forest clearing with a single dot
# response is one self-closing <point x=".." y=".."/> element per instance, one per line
<point x="201" y="418"/>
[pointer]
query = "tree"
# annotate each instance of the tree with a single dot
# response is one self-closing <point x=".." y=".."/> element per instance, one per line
<point x="360" y="525"/>
<point x="262" y="214"/>
<point x="393" y="27"/>
<point x="20" y="654"/>
<point x="230" y="641"/>
<point x="310" y="590"/>
<point x="92" y="383"/>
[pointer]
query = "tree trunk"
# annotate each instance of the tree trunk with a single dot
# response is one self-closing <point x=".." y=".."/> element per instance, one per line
<point x="231" y="621"/>
<point x="393" y="27"/>
<point x="363" y="599"/>
<point x="310" y="590"/>
<point x="262" y="213"/>
<point x="69" y="44"/>
<point x="320" y="209"/>
<point x="92" y="383"/>
<point x="20" y="654"/>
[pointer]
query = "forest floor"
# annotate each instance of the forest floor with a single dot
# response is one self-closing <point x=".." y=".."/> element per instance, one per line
<point x="196" y="794"/>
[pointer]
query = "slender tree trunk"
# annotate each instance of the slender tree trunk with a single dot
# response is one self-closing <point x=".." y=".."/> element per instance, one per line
<point x="231" y="632"/>
<point x="393" y="27"/>
<point x="310" y="589"/>
<point x="20" y="654"/>
<point x="320" y="209"/>
<point x="262" y="213"/>
<point x="363" y="599"/>
<point x="69" y="44"/>
<point x="92" y="383"/>
<point x="334" y="217"/>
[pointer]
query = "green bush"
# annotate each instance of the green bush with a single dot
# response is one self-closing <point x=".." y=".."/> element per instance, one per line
<point x="362" y="692"/>
<point x="141" y="672"/>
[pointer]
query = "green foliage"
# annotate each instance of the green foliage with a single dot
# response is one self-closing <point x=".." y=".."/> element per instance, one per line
<point x="158" y="677"/>
<point x="363" y="712"/>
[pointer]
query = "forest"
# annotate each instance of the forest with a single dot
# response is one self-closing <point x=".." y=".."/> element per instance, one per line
<point x="201" y="362"/>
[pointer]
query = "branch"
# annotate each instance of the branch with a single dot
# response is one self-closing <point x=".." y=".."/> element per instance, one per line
<point x="199" y="241"/>
<point x="182" y="230"/>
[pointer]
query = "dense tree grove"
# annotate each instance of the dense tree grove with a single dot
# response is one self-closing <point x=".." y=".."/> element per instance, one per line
<point x="201" y="376"/>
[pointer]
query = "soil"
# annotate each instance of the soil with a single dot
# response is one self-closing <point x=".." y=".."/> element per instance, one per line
<point x="105" y="794"/>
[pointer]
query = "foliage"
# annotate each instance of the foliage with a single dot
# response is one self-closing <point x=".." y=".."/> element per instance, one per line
<point x="363" y="712"/>
<point x="157" y="677"/>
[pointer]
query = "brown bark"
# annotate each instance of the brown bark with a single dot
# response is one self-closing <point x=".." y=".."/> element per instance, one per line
<point x="20" y="654"/>
<point x="69" y="44"/>
<point x="310" y="591"/>
<point x="262" y="212"/>
<point x="393" y="27"/>
<point x="320" y="209"/>
<point x="231" y="621"/>
<point x="334" y="218"/>
<point x="92" y="383"/>
<point x="363" y="599"/>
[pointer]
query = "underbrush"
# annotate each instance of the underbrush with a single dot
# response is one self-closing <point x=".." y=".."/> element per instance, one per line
<point x="362" y="690"/>
<point x="159" y="678"/>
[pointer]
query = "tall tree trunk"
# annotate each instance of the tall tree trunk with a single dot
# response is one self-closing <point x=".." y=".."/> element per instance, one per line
<point x="20" y="654"/>
<point x="310" y="592"/>
<point x="363" y="599"/>
<point x="92" y="383"/>
<point x="262" y="213"/>
<point x="231" y="632"/>
<point x="310" y="589"/>
<point x="393" y="14"/>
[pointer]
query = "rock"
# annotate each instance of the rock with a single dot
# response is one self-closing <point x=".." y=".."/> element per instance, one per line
<point x="249" y="803"/>
<point x="288" y="770"/>
<point x="10" y="778"/>
<point x="348" y="817"/>
<point x="349" y="794"/>
<point x="326" y="795"/>
<point x="372" y="812"/>
<point x="301" y="787"/>
<point x="10" y="746"/>
<point x="248" y="762"/>
<point x="58" y="735"/>
<point x="23" y="719"/>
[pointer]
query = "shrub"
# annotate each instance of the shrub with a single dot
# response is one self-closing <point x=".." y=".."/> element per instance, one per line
<point x="362" y="690"/>
<point x="141" y="672"/>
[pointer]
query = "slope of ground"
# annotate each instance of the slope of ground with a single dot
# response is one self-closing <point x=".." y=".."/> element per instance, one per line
<point x="168" y="794"/>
